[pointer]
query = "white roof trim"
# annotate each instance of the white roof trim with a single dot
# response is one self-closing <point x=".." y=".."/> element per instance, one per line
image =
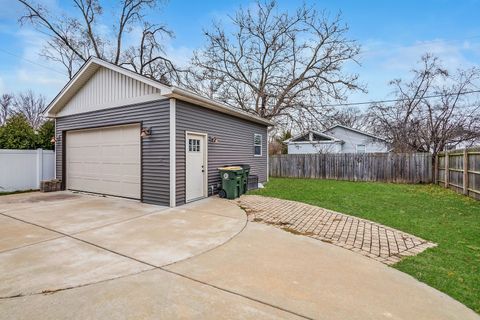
<point x="189" y="96"/>
<point x="333" y="139"/>
<point x="355" y="130"/>
<point x="93" y="64"/>
<point x="316" y="142"/>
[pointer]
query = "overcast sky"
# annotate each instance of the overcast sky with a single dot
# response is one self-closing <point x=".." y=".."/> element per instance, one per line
<point x="393" y="36"/>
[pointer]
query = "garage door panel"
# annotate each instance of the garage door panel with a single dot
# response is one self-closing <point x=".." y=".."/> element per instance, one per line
<point x="105" y="160"/>
<point x="114" y="171"/>
<point x="92" y="170"/>
<point x="82" y="153"/>
<point x="121" y="172"/>
<point x="77" y="169"/>
<point x="87" y="184"/>
<point x="124" y="189"/>
<point x="127" y="154"/>
<point x="112" y="154"/>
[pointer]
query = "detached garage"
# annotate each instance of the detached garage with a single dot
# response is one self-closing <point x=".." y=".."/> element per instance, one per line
<point x="122" y="134"/>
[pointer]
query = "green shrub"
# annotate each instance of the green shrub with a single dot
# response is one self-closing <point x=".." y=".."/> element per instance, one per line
<point x="17" y="134"/>
<point x="45" y="134"/>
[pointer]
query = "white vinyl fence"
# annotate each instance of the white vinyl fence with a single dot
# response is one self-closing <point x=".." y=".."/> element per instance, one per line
<point x="24" y="169"/>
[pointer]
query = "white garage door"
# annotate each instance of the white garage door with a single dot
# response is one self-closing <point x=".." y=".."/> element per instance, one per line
<point x="104" y="160"/>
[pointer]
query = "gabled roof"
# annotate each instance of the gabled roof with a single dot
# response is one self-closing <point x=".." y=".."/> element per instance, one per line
<point x="328" y="137"/>
<point x="93" y="64"/>
<point x="355" y="130"/>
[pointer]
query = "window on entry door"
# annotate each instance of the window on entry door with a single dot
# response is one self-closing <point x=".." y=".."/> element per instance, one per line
<point x="193" y="145"/>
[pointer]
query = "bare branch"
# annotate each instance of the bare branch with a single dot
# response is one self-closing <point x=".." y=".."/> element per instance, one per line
<point x="72" y="41"/>
<point x="31" y="106"/>
<point x="6" y="103"/>
<point x="277" y="64"/>
<point x="419" y="123"/>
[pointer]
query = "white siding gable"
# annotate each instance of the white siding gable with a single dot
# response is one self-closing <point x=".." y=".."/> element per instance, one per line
<point x="352" y="139"/>
<point x="108" y="89"/>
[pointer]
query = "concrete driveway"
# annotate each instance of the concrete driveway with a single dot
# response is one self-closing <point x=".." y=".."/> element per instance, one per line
<point x="74" y="256"/>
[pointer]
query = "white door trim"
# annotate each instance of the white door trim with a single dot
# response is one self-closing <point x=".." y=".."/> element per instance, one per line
<point x="55" y="149"/>
<point x="268" y="159"/>
<point x="205" y="159"/>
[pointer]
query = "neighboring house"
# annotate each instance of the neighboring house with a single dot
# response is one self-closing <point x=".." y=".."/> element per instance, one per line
<point x="337" y="139"/>
<point x="120" y="133"/>
<point x="313" y="142"/>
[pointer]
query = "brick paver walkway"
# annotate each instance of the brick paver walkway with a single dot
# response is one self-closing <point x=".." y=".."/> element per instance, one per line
<point x="371" y="239"/>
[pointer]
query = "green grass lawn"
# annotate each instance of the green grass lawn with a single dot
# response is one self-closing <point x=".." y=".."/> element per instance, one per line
<point x="428" y="211"/>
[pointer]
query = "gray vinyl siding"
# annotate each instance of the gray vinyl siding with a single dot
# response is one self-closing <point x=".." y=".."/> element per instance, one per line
<point x="155" y="148"/>
<point x="235" y="143"/>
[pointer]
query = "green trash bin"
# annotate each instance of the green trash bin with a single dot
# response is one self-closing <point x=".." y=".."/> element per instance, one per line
<point x="246" y="172"/>
<point x="232" y="178"/>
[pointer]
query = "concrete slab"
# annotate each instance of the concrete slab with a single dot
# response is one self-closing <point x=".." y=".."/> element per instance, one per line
<point x="59" y="264"/>
<point x="150" y="295"/>
<point x="317" y="280"/>
<point x="87" y="212"/>
<point x="168" y="237"/>
<point x="226" y="271"/>
<point x="215" y="205"/>
<point x="14" y="234"/>
<point x="33" y="199"/>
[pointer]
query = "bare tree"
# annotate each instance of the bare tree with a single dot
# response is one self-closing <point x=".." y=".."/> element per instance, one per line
<point x="74" y="39"/>
<point x="55" y="50"/>
<point x="277" y="65"/>
<point x="6" y="103"/>
<point x="434" y="110"/>
<point x="454" y="119"/>
<point x="144" y="58"/>
<point x="347" y="116"/>
<point x="31" y="106"/>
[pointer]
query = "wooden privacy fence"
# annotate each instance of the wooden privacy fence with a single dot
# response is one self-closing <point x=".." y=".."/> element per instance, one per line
<point x="460" y="170"/>
<point x="385" y="167"/>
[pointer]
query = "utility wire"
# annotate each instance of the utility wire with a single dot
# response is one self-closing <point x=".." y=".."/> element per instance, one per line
<point x="398" y="100"/>
<point x="327" y="105"/>
<point x="32" y="62"/>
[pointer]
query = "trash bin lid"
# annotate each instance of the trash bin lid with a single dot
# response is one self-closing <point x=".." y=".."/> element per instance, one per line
<point x="231" y="168"/>
<point x="244" y="166"/>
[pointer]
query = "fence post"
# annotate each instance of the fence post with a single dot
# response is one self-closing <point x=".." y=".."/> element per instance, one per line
<point x="465" y="171"/>
<point x="39" y="167"/>
<point x="435" y="170"/>
<point x="447" y="174"/>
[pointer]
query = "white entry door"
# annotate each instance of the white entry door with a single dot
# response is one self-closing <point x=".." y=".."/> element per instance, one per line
<point x="196" y="166"/>
<point x="104" y="160"/>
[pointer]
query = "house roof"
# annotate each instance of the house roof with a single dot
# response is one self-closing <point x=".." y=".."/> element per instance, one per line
<point x="355" y="130"/>
<point x="331" y="138"/>
<point x="93" y="64"/>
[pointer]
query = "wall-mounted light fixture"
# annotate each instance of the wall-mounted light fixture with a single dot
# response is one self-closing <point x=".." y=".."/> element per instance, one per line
<point x="145" y="132"/>
<point x="214" y="140"/>
<point x="55" y="139"/>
